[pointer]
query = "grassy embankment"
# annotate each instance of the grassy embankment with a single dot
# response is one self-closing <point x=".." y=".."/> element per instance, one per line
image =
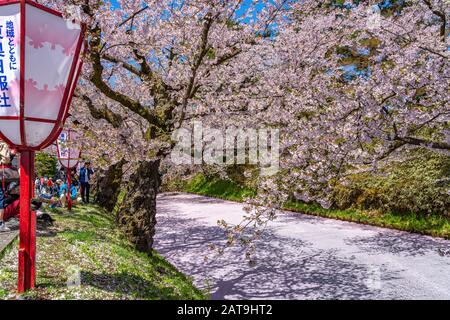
<point x="434" y="225"/>
<point x="84" y="256"/>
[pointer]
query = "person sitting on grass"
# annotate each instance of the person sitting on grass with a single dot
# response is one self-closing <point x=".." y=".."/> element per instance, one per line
<point x="12" y="205"/>
<point x="52" y="198"/>
<point x="8" y="173"/>
<point x="3" y="227"/>
<point x="55" y="188"/>
<point x="63" y="194"/>
<point x="50" y="193"/>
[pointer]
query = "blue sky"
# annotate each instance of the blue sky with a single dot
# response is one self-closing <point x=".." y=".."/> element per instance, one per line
<point x="246" y="4"/>
<point x="114" y="4"/>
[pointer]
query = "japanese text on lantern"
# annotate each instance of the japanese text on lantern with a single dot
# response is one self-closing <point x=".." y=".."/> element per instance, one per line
<point x="8" y="60"/>
<point x="63" y="149"/>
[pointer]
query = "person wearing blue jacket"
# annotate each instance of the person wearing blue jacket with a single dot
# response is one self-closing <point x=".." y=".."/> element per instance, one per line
<point x="86" y="174"/>
<point x="63" y="190"/>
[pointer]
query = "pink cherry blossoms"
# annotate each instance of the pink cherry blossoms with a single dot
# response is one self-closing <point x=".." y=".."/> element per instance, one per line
<point x="348" y="86"/>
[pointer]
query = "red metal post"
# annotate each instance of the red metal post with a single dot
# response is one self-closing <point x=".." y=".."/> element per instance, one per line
<point x="27" y="244"/>
<point x="69" y="197"/>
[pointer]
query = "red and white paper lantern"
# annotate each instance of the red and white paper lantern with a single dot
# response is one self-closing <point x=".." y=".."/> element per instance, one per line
<point x="39" y="69"/>
<point x="68" y="155"/>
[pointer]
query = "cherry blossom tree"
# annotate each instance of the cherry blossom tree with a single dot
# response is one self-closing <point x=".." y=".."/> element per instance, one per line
<point x="354" y="84"/>
<point x="361" y="83"/>
<point x="348" y="83"/>
<point x="150" y="66"/>
<point x="154" y="66"/>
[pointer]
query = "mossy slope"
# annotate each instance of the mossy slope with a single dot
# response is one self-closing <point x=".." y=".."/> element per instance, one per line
<point x="84" y="256"/>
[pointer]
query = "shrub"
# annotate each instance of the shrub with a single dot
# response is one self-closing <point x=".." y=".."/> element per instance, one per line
<point x="416" y="184"/>
<point x="45" y="165"/>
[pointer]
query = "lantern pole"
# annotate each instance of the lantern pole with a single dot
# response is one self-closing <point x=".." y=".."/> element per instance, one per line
<point x="69" y="198"/>
<point x="27" y="243"/>
<point x="68" y="175"/>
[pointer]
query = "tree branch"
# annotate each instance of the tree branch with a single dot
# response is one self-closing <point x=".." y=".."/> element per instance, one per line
<point x="198" y="59"/>
<point x="97" y="79"/>
<point x="424" y="143"/>
<point x="112" y="118"/>
<point x="441" y="15"/>
<point x="133" y="16"/>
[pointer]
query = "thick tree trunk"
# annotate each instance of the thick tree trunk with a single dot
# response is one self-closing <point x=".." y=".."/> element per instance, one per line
<point x="137" y="212"/>
<point x="108" y="186"/>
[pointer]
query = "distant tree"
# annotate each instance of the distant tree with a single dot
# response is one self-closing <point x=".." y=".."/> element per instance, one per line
<point x="45" y="165"/>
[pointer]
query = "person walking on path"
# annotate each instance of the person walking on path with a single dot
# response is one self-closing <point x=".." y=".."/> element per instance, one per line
<point x="86" y="174"/>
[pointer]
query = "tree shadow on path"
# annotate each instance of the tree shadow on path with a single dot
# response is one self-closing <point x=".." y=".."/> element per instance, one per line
<point x="286" y="268"/>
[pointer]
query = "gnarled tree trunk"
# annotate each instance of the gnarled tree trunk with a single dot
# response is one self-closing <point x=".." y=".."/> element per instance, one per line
<point x="108" y="186"/>
<point x="137" y="212"/>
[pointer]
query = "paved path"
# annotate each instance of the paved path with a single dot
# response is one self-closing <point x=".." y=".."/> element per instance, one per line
<point x="300" y="257"/>
<point x="7" y="237"/>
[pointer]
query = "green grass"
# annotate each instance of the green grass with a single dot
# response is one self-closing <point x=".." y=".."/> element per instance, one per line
<point x="86" y="245"/>
<point x="434" y="225"/>
<point x="225" y="189"/>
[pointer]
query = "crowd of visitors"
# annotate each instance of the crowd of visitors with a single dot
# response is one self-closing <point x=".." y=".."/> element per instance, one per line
<point x="55" y="191"/>
<point x="48" y="191"/>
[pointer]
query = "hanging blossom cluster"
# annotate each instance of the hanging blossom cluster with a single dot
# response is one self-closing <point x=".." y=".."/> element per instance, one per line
<point x="351" y="87"/>
<point x="354" y="92"/>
